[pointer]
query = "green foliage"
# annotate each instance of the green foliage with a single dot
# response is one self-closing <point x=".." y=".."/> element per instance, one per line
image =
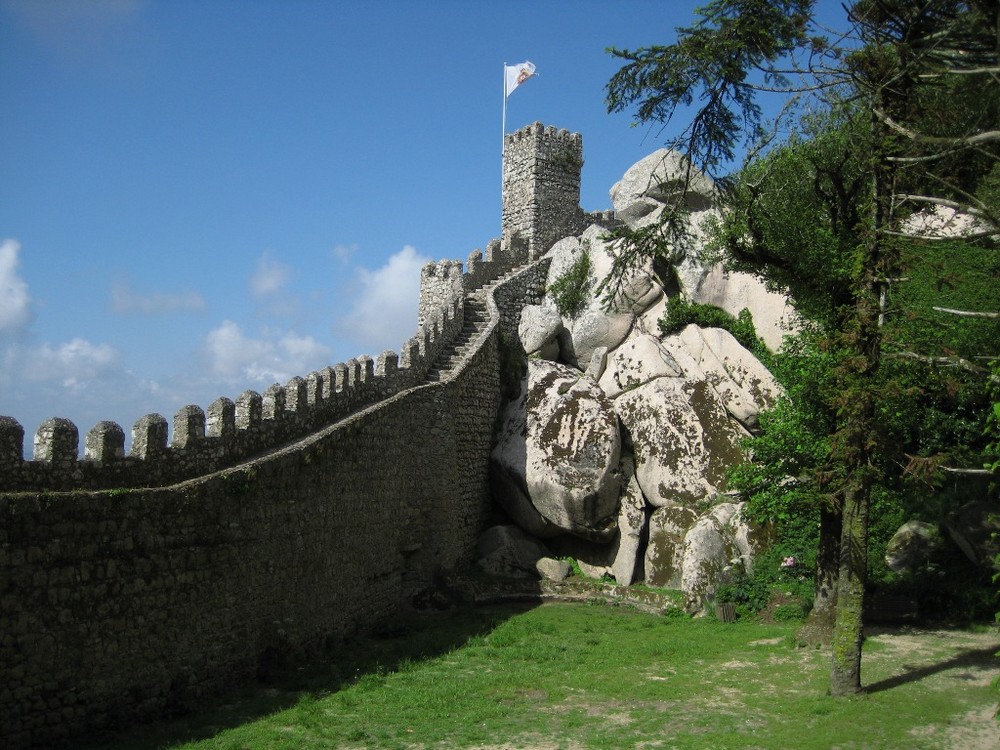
<point x="821" y="217"/>
<point x="571" y="289"/>
<point x="711" y="61"/>
<point x="574" y="567"/>
<point x="777" y="571"/>
<point x="794" y="216"/>
<point x="681" y="313"/>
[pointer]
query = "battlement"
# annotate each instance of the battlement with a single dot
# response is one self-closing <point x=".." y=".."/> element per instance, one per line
<point x="263" y="525"/>
<point x="200" y="441"/>
<point x="541" y="186"/>
<point x="547" y="134"/>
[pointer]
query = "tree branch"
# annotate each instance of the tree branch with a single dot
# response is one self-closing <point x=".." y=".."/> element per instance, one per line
<point x="959" y="362"/>
<point x="967" y="313"/>
<point x="967" y="472"/>
<point x="987" y="136"/>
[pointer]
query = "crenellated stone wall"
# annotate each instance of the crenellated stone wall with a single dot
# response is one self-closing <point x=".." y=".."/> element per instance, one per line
<point x="541" y="187"/>
<point x="273" y="523"/>
<point x="120" y="602"/>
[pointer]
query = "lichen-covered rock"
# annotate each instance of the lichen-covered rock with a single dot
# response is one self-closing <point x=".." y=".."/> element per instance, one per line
<point x="683" y="438"/>
<point x="749" y="538"/>
<point x="636" y="362"/>
<point x="744" y="385"/>
<point x="619" y="558"/>
<point x="506" y="551"/>
<point x="551" y="569"/>
<point x="639" y="288"/>
<point x="661" y="176"/>
<point x="539" y="330"/>
<point x="589" y="331"/>
<point x="772" y="313"/>
<point x="711" y="556"/>
<point x="664" y="559"/>
<point x="632" y="521"/>
<point x="556" y="462"/>
<point x="593" y="325"/>
<point x="912" y="546"/>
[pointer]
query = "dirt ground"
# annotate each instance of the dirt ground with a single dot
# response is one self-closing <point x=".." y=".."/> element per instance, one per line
<point x="940" y="659"/>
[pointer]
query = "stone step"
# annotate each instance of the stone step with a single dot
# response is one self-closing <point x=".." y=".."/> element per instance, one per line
<point x="477" y="317"/>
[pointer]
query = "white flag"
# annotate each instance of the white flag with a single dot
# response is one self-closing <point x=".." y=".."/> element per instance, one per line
<point x="515" y="75"/>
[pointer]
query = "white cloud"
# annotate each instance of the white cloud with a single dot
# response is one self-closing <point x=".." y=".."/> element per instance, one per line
<point x="275" y="356"/>
<point x="72" y="363"/>
<point x="343" y="253"/>
<point x="270" y="277"/>
<point x="384" y="315"/>
<point x="124" y="301"/>
<point x="15" y="302"/>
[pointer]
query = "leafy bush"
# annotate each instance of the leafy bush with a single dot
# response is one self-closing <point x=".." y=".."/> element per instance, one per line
<point x="571" y="289"/>
<point x="681" y="313"/>
<point x="775" y="572"/>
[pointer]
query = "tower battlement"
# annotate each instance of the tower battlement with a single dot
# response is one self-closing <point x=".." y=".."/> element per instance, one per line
<point x="541" y="186"/>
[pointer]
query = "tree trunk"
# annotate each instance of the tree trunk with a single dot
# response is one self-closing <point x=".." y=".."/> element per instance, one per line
<point x="848" y="629"/>
<point x="858" y="441"/>
<point x="818" y="627"/>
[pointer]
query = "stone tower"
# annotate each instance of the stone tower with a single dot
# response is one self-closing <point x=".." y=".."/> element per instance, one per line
<point x="541" y="186"/>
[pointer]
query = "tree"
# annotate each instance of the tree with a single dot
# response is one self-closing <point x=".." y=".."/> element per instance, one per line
<point x="896" y="59"/>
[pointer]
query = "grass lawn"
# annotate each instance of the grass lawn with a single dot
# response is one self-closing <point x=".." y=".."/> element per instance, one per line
<point x="591" y="676"/>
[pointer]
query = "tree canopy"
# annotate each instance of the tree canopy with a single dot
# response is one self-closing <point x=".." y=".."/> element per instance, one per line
<point x="894" y="144"/>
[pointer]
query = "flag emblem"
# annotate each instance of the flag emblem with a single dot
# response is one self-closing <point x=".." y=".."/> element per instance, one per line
<point x="515" y="75"/>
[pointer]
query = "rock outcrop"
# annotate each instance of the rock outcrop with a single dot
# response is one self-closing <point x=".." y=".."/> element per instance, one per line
<point x="557" y="455"/>
<point x="617" y="450"/>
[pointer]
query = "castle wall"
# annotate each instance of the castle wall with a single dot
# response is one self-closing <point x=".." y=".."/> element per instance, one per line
<point x="131" y="585"/>
<point x="228" y="431"/>
<point x="541" y="186"/>
<point x="117" y="604"/>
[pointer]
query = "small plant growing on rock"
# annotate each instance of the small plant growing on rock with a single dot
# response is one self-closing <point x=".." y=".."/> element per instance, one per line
<point x="571" y="289"/>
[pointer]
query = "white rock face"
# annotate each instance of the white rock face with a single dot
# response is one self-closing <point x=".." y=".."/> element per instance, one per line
<point x="556" y="463"/>
<point x="637" y="361"/>
<point x="681" y="404"/>
<point x="631" y="525"/>
<point x="684" y="441"/>
<point x="773" y="316"/>
<point x="552" y="569"/>
<point x="539" y="330"/>
<point x="660" y="177"/>
<point x="621" y="556"/>
<point x="640" y="289"/>
<point x="664" y="557"/>
<point x="589" y="331"/>
<point x="594" y="327"/>
<point x="711" y="556"/>
<point x="743" y="384"/>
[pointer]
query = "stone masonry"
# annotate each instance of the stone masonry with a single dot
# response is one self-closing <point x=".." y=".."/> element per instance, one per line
<point x="274" y="523"/>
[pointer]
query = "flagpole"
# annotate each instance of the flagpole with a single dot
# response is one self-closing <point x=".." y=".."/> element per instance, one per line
<point x="503" y="134"/>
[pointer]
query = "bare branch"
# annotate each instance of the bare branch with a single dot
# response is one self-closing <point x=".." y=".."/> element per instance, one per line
<point x="987" y="136"/>
<point x="962" y="207"/>
<point x="967" y="313"/>
<point x="963" y="72"/>
<point x="967" y="472"/>
<point x="959" y="362"/>
<point x="943" y="237"/>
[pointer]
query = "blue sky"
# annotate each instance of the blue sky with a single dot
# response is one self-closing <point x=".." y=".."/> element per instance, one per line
<point x="204" y="196"/>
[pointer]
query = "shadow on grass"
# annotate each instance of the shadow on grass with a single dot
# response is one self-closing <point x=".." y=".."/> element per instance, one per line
<point x="983" y="658"/>
<point x="282" y="682"/>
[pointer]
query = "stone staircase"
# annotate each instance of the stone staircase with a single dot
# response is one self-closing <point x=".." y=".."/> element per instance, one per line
<point x="477" y="317"/>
